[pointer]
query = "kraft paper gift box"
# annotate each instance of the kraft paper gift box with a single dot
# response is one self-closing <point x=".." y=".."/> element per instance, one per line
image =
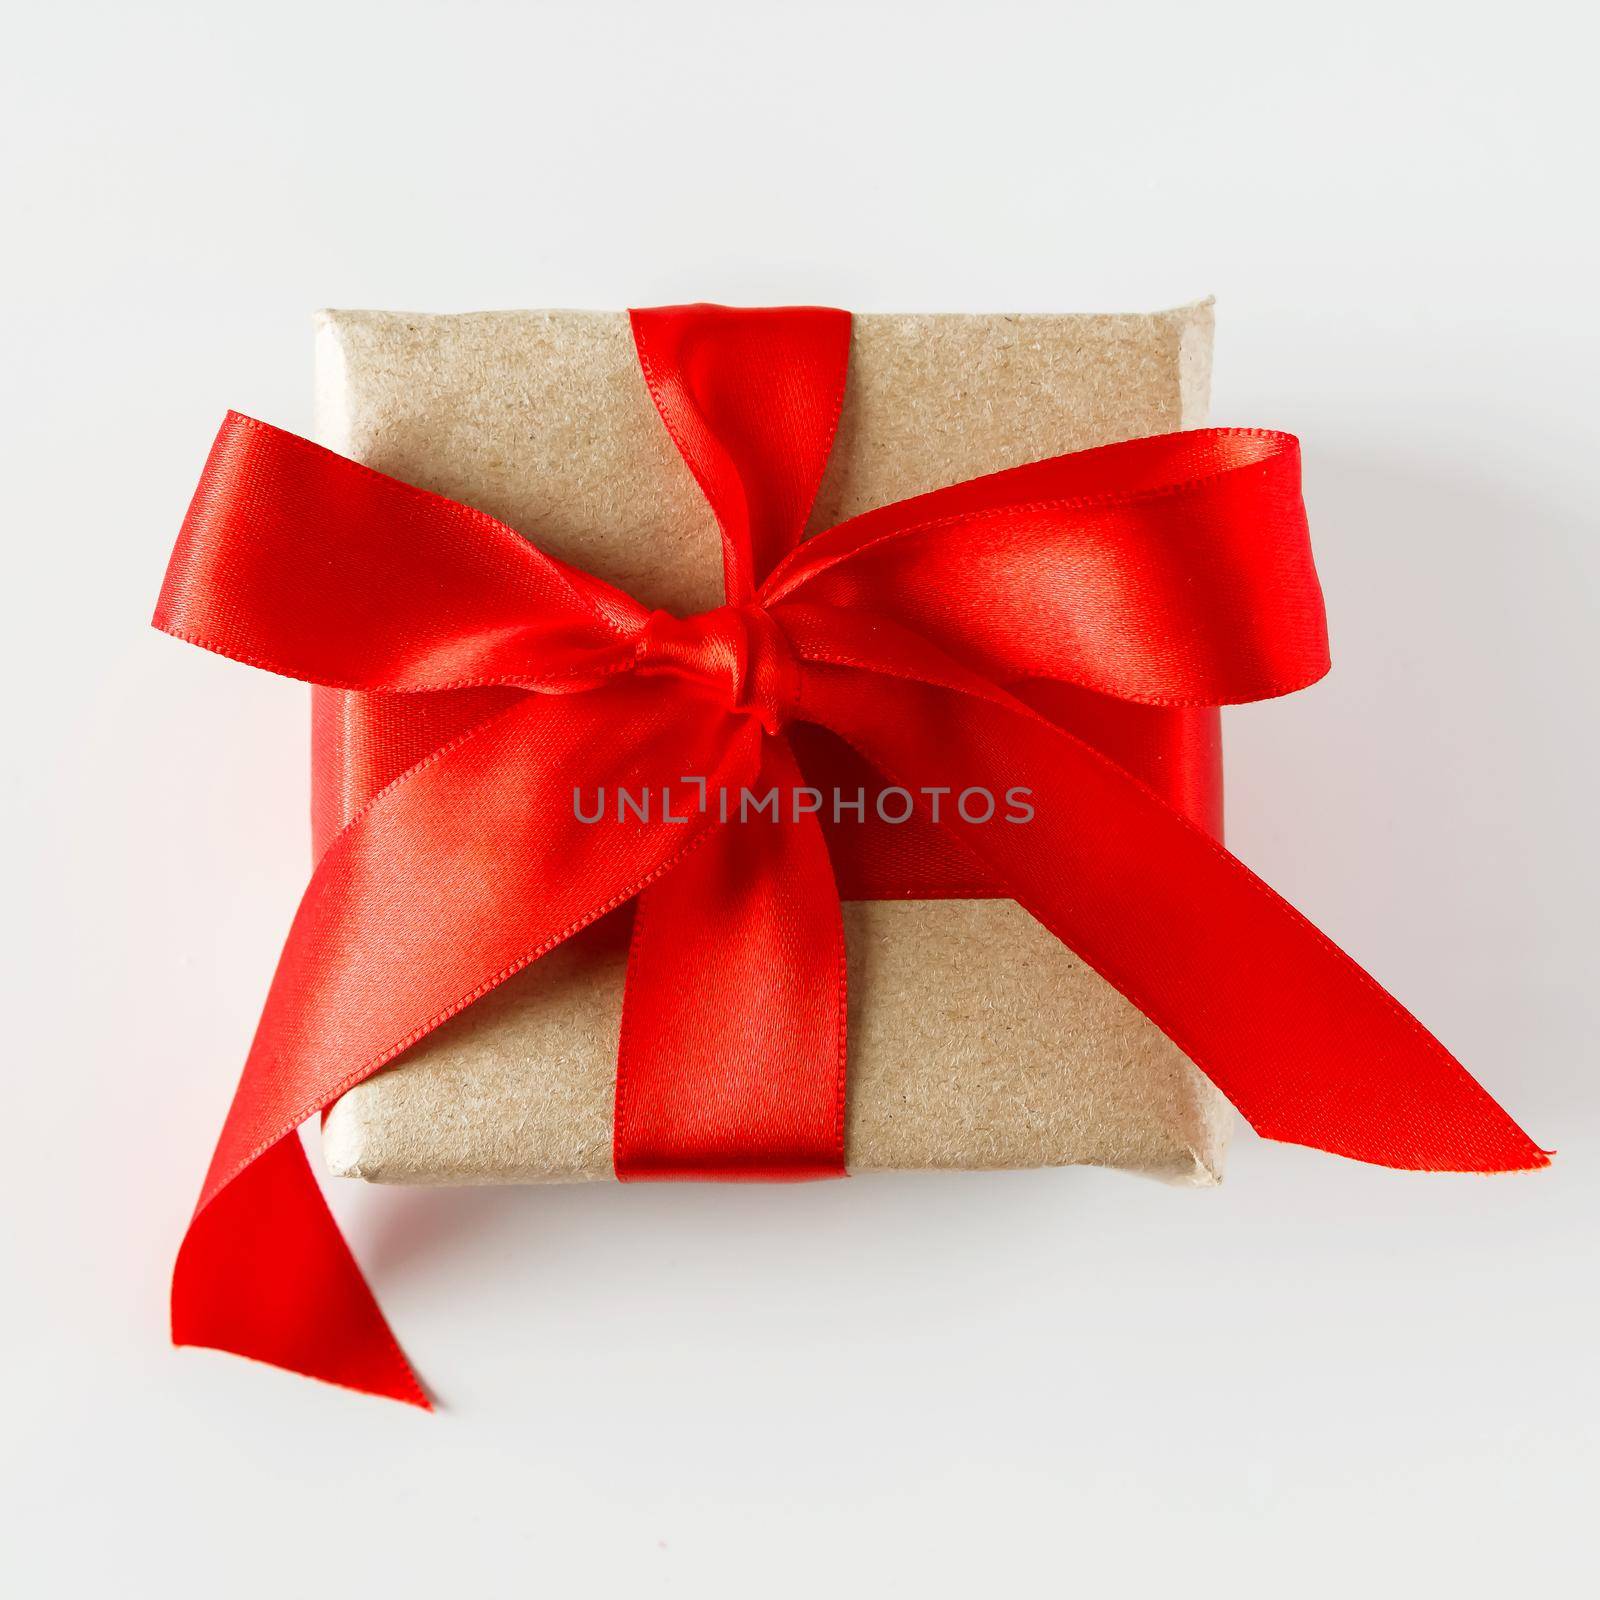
<point x="975" y="1039"/>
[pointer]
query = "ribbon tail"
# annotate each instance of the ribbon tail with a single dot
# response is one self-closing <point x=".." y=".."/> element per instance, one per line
<point x="731" y="1064"/>
<point x="1305" y="1044"/>
<point x="237" y="1287"/>
<point x="469" y="867"/>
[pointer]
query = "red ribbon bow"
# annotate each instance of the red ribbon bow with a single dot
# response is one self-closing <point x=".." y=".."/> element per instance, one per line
<point x="1167" y="572"/>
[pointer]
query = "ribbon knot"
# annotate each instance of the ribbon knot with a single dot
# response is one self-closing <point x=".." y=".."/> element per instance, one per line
<point x="737" y="653"/>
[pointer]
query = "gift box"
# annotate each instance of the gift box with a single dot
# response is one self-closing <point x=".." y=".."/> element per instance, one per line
<point x="962" y="560"/>
<point x="975" y="1039"/>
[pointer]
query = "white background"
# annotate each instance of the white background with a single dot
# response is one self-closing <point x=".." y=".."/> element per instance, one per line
<point x="1321" y="1379"/>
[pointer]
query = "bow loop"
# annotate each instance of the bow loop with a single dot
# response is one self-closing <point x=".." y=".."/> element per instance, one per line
<point x="293" y="559"/>
<point x="1170" y="571"/>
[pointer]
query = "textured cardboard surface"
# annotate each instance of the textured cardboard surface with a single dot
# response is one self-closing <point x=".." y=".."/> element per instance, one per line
<point x="975" y="1039"/>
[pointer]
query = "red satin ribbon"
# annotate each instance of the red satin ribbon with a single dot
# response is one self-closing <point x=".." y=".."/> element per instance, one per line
<point x="487" y="680"/>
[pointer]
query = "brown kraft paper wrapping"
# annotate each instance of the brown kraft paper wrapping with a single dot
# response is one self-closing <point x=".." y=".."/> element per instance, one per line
<point x="975" y="1039"/>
